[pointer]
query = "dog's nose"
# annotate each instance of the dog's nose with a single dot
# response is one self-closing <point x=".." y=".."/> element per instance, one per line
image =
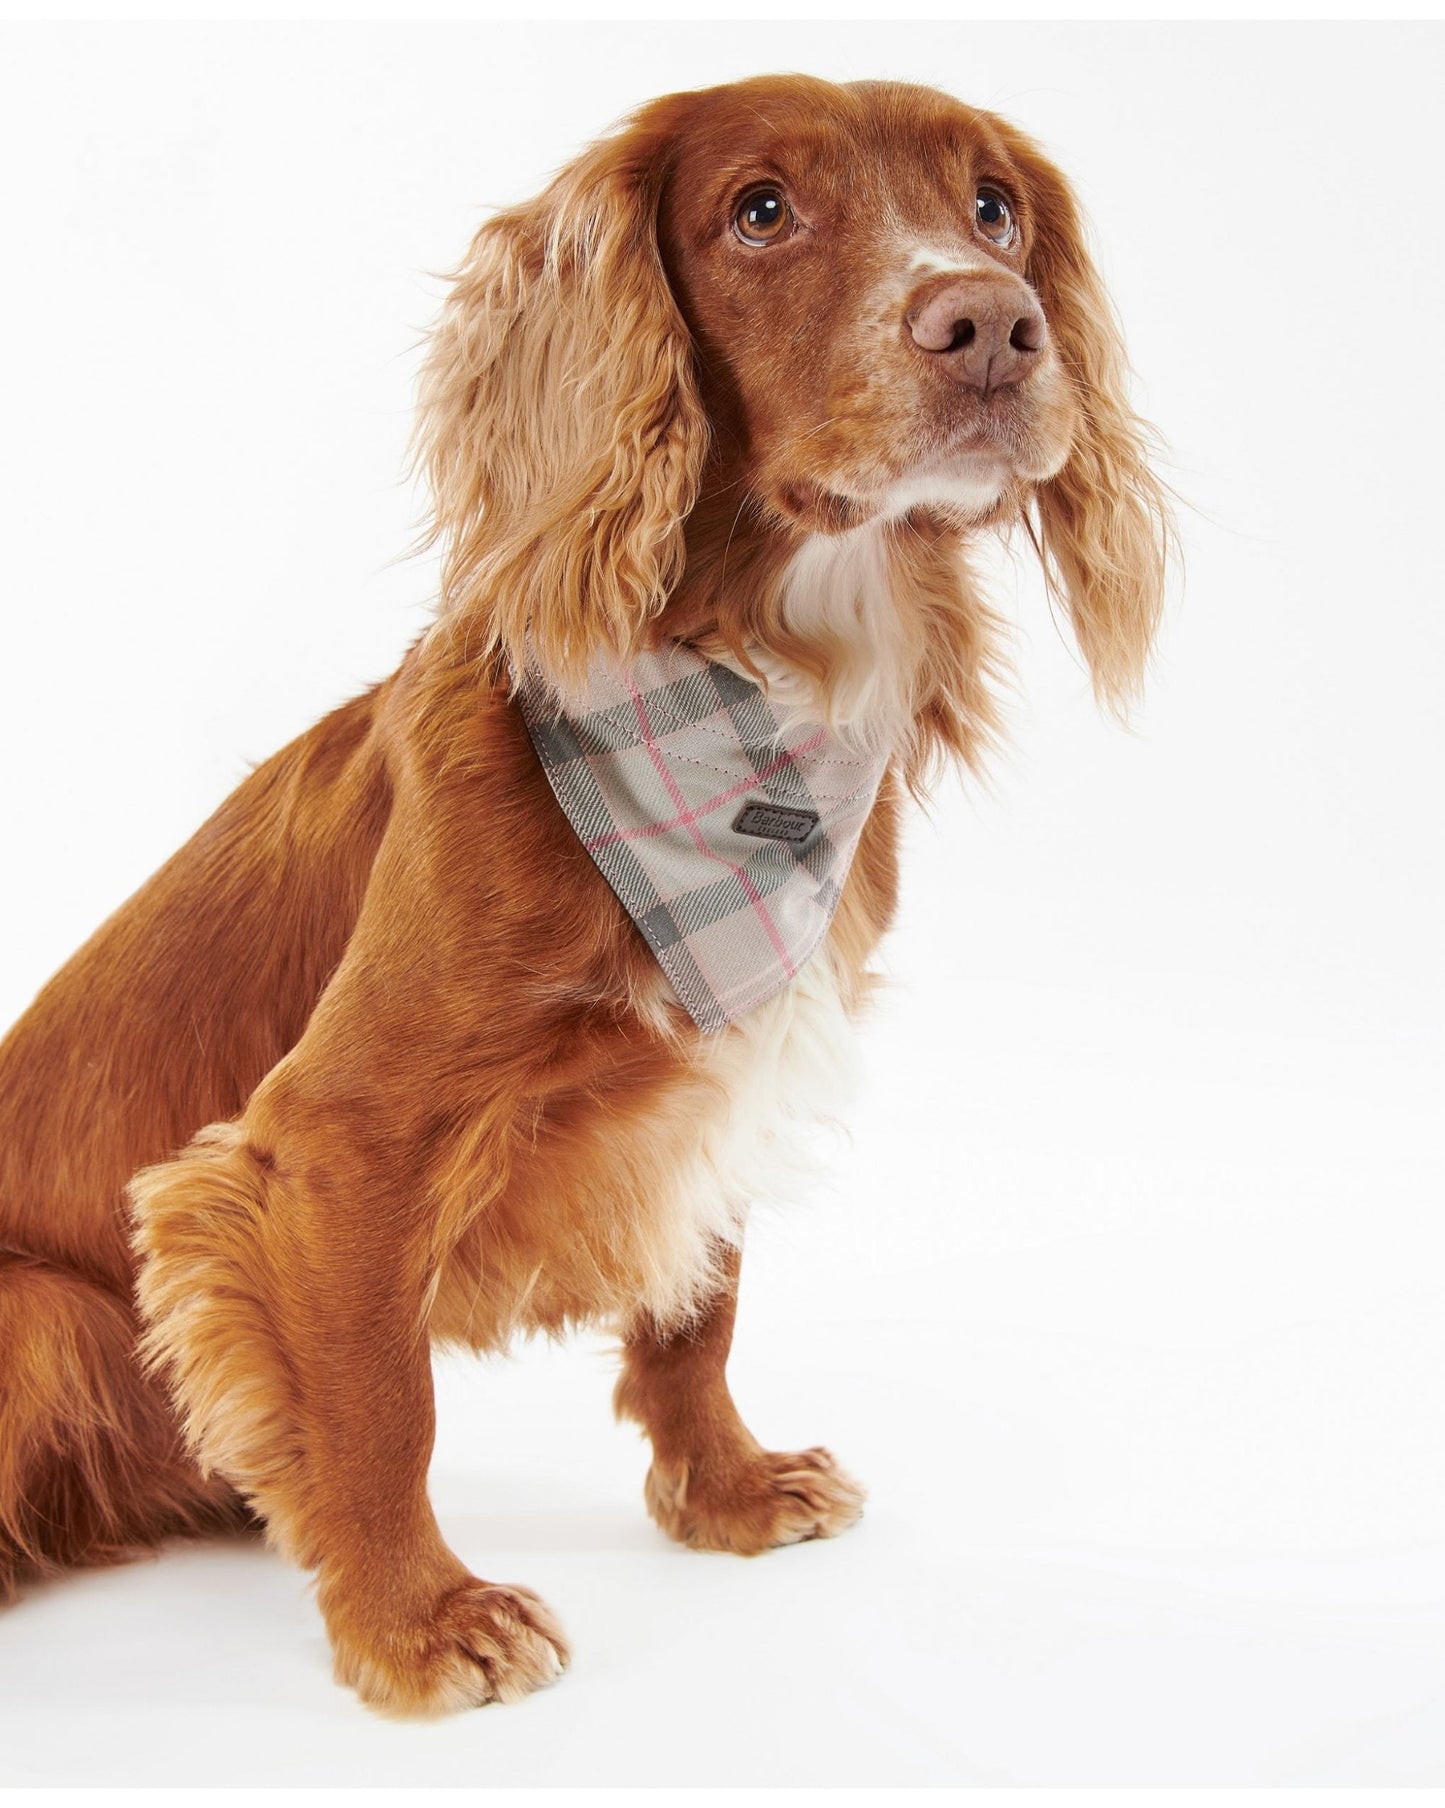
<point x="986" y="330"/>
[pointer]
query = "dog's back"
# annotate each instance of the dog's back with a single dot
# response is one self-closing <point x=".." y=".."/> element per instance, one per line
<point x="167" y="1018"/>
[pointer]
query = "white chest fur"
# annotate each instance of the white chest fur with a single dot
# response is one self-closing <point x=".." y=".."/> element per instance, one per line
<point x="767" y="1083"/>
<point x="610" y="1213"/>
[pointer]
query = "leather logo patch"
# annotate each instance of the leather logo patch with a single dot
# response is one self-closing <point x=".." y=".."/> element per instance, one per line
<point x="776" y="822"/>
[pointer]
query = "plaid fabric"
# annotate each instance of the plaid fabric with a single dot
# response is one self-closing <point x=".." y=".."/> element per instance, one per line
<point x="656" y="776"/>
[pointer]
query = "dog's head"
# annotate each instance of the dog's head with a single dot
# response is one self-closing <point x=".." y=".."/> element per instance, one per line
<point x="769" y="318"/>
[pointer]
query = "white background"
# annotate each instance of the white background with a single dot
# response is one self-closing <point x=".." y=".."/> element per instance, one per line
<point x="1126" y="1299"/>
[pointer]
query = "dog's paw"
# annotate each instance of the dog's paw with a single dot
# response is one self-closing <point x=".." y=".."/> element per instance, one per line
<point x="484" y="1642"/>
<point x="751" y="1505"/>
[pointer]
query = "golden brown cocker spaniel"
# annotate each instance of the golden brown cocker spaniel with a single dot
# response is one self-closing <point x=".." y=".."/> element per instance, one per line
<point x="379" y="1058"/>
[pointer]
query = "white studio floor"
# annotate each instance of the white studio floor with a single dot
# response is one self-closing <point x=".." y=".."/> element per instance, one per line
<point x="1150" y="1503"/>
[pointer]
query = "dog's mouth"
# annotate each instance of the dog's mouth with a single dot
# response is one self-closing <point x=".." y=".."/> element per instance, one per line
<point x="821" y="509"/>
<point x="969" y="483"/>
<point x="967" y="463"/>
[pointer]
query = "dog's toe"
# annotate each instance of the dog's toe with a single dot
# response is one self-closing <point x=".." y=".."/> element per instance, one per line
<point x="483" y="1642"/>
<point x="754" y="1503"/>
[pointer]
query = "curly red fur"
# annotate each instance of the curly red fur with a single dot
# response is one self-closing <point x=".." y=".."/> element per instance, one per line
<point x="377" y="1059"/>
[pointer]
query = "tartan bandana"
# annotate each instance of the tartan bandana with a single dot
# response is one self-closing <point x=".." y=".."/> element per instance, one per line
<point x="726" y="830"/>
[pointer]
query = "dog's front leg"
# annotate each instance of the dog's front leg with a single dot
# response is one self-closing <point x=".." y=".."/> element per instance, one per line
<point x="711" y="1484"/>
<point x="284" y="1279"/>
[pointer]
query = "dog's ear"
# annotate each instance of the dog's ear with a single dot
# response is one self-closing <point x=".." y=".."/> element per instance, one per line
<point x="1102" y="526"/>
<point x="559" y="424"/>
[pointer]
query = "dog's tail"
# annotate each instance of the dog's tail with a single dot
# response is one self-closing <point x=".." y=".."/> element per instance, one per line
<point x="91" y="1464"/>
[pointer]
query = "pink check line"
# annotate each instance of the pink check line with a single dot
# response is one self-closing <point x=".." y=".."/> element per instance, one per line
<point x="686" y="819"/>
<point x="713" y="803"/>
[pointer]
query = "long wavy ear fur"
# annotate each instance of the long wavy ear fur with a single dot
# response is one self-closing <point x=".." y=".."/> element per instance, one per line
<point x="1102" y="527"/>
<point x="559" y="424"/>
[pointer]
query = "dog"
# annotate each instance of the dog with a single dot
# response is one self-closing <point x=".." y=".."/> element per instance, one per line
<point x="389" y="1054"/>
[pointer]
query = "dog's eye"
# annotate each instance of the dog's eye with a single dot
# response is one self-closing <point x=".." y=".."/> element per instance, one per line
<point x="763" y="218"/>
<point x="995" y="217"/>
